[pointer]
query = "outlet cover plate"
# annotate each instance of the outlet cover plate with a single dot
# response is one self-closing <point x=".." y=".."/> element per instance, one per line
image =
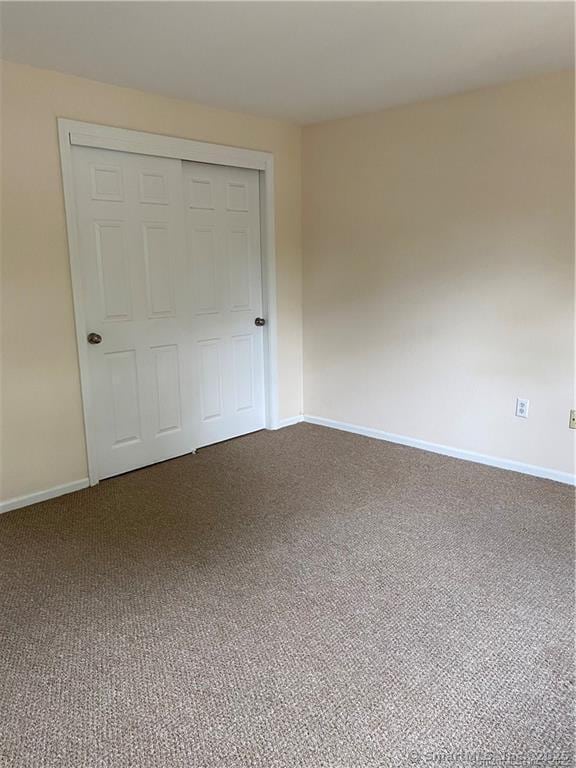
<point x="522" y="406"/>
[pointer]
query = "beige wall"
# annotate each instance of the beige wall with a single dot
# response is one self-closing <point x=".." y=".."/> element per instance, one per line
<point x="43" y="438"/>
<point x="438" y="271"/>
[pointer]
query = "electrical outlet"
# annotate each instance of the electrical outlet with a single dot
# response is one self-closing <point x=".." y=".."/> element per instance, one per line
<point x="572" y="422"/>
<point x="522" y="406"/>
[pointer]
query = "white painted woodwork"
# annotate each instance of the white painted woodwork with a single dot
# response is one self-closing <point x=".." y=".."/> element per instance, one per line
<point x="223" y="245"/>
<point x="171" y="279"/>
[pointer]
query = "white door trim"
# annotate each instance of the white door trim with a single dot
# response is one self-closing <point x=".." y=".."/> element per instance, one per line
<point x="74" y="133"/>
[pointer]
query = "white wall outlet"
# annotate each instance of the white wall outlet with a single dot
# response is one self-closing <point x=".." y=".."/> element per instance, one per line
<point x="572" y="422"/>
<point x="522" y="406"/>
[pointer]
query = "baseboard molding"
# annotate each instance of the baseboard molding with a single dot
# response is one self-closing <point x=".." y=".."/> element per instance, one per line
<point x="78" y="485"/>
<point x="50" y="493"/>
<point x="446" y="450"/>
<point x="377" y="434"/>
<point x="290" y="422"/>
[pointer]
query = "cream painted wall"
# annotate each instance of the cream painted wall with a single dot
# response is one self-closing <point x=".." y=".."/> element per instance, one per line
<point x="42" y="429"/>
<point x="438" y="270"/>
<point x="438" y="274"/>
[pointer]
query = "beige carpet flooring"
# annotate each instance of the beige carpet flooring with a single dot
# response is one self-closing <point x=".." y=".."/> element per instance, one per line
<point x="295" y="599"/>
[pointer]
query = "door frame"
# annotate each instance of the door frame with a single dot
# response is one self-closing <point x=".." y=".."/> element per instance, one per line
<point x="76" y="133"/>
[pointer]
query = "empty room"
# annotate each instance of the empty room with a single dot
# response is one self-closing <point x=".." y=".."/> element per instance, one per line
<point x="288" y="410"/>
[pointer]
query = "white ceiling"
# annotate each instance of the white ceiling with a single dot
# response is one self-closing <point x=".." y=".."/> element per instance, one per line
<point x="304" y="61"/>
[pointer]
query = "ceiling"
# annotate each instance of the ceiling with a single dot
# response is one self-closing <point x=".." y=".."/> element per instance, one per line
<point x="302" y="61"/>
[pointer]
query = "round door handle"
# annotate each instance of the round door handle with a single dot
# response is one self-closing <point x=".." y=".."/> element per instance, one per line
<point x="259" y="321"/>
<point x="94" y="338"/>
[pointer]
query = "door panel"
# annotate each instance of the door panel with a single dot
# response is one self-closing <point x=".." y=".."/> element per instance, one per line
<point x="203" y="260"/>
<point x="113" y="270"/>
<point x="243" y="372"/>
<point x="122" y="374"/>
<point x="210" y="368"/>
<point x="171" y="271"/>
<point x="106" y="182"/>
<point x="200" y="189"/>
<point x="168" y="398"/>
<point x="223" y="248"/>
<point x="153" y="188"/>
<point x="158" y="260"/>
<point x="131" y="234"/>
<point x="238" y="263"/>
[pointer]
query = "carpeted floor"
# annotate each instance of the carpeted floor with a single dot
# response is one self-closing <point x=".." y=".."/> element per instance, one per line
<point x="295" y="599"/>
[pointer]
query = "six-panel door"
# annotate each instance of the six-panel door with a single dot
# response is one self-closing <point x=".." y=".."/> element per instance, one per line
<point x="223" y="245"/>
<point x="172" y="282"/>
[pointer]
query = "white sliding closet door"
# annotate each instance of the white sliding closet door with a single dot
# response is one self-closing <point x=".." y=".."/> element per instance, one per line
<point x="171" y="290"/>
<point x="223" y="242"/>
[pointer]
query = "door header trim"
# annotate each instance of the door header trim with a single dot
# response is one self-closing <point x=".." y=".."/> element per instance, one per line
<point x="159" y="145"/>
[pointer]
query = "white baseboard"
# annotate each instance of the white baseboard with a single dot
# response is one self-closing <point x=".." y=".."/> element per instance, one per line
<point x="446" y="450"/>
<point x="289" y="422"/>
<point x="50" y="493"/>
<point x="78" y="485"/>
